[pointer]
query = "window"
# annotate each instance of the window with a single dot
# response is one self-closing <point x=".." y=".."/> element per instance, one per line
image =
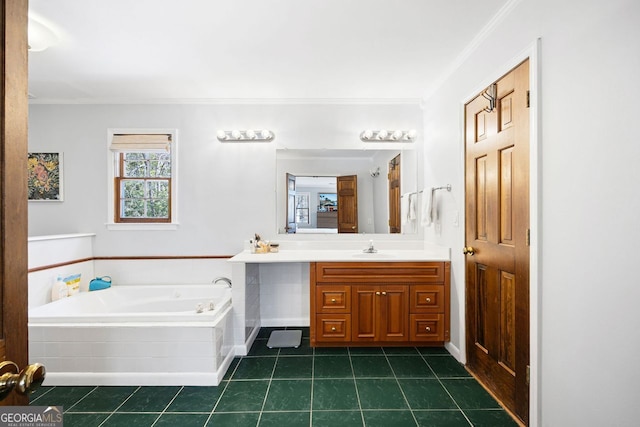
<point x="302" y="208"/>
<point x="143" y="178"/>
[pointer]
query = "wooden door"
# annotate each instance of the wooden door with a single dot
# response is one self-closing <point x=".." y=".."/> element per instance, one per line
<point x="393" y="324"/>
<point x="291" y="204"/>
<point x="497" y="227"/>
<point x="347" y="187"/>
<point x="394" y="195"/>
<point x="14" y="344"/>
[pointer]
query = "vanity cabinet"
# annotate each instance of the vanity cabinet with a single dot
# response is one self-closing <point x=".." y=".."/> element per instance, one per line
<point x="379" y="303"/>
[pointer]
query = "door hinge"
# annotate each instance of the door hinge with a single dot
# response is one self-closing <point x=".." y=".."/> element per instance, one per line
<point x="528" y="98"/>
<point x="528" y="238"/>
<point x="528" y="374"/>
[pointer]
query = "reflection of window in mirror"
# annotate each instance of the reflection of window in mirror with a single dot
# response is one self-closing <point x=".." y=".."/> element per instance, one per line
<point x="302" y="208"/>
<point x="327" y="202"/>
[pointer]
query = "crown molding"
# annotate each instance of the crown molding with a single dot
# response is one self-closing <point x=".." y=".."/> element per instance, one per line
<point x="228" y="101"/>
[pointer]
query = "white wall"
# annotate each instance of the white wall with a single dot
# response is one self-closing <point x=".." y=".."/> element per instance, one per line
<point x="587" y="179"/>
<point x="226" y="190"/>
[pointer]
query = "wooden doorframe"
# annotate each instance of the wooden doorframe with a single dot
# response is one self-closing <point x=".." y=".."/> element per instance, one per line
<point x="13" y="188"/>
<point x="532" y="52"/>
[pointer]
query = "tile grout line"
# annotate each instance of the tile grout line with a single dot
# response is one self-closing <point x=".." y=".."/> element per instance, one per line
<point x="400" y="387"/>
<point x="119" y="406"/>
<point x="264" y="400"/>
<point x="446" y="390"/>
<point x="313" y="377"/>
<point x="82" y="398"/>
<point x="167" y="406"/>
<point x="355" y="384"/>
<point x="235" y="368"/>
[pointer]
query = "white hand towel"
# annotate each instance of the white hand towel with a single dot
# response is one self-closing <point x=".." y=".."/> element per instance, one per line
<point x="428" y="207"/>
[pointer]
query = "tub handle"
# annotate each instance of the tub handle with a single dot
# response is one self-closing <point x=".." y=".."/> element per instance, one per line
<point x="24" y="382"/>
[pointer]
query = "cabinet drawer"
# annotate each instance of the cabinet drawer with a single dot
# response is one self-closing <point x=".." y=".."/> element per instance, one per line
<point x="333" y="327"/>
<point x="427" y="299"/>
<point x="333" y="299"/>
<point x="379" y="272"/>
<point x="427" y="327"/>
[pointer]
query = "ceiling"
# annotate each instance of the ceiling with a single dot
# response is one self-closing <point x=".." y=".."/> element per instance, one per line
<point x="250" y="50"/>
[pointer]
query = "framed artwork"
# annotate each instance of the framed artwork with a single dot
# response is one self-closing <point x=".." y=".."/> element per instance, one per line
<point x="45" y="177"/>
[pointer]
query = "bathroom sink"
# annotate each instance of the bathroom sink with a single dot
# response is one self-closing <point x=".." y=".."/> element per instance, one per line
<point x="376" y="255"/>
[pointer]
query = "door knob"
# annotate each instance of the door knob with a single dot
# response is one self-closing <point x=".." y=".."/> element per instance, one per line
<point x="353" y="227"/>
<point x="25" y="381"/>
<point x="468" y="250"/>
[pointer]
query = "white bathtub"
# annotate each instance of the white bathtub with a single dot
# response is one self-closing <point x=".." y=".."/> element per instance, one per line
<point x="135" y="335"/>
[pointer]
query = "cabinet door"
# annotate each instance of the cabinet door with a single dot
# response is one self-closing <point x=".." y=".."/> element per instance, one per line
<point x="393" y="322"/>
<point x="365" y="312"/>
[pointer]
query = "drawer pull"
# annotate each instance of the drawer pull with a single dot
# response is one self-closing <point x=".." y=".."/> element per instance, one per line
<point x="377" y="293"/>
<point x="333" y="329"/>
<point x="333" y="300"/>
<point x="428" y="328"/>
<point x="384" y="293"/>
<point x="428" y="299"/>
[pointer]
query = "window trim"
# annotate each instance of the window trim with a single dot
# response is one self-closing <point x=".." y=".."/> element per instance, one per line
<point x="113" y="204"/>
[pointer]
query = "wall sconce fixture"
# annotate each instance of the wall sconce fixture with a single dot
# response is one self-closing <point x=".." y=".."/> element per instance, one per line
<point x="264" y="135"/>
<point x="388" y="135"/>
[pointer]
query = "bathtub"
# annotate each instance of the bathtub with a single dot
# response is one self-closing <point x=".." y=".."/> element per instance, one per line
<point x="135" y="335"/>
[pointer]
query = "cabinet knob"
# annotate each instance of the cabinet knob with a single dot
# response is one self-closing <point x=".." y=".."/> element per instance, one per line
<point x="333" y="329"/>
<point x="428" y="299"/>
<point x="377" y="293"/>
<point x="428" y="328"/>
<point x="384" y="293"/>
<point x="333" y="300"/>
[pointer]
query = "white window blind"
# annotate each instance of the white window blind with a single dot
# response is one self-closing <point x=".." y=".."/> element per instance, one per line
<point x="140" y="142"/>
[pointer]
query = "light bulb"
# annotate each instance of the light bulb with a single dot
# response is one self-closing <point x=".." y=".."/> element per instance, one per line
<point x="382" y="134"/>
<point x="250" y="134"/>
<point x="397" y="134"/>
<point x="222" y="135"/>
<point x="411" y="134"/>
<point x="236" y="134"/>
<point x="266" y="134"/>
<point x="367" y="134"/>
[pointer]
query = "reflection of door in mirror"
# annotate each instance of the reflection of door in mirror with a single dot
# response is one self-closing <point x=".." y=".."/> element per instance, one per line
<point x="291" y="204"/>
<point x="394" y="195"/>
<point x="347" y="204"/>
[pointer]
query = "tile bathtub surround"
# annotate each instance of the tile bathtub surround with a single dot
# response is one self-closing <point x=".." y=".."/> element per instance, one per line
<point x="307" y="387"/>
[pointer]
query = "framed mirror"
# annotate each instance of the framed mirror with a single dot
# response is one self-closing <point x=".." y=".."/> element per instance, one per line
<point x="335" y="191"/>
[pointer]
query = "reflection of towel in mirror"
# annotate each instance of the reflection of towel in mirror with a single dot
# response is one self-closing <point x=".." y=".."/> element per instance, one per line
<point x="404" y="210"/>
<point x="428" y="207"/>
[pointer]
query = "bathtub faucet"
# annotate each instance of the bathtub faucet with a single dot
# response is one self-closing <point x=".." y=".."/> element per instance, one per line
<point x="222" y="279"/>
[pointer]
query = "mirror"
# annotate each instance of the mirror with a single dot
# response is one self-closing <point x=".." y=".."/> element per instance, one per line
<point x="315" y="206"/>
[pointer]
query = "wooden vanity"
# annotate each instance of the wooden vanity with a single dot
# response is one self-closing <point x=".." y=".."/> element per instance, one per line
<point x="379" y="303"/>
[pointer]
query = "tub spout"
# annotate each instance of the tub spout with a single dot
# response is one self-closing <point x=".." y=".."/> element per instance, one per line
<point x="222" y="279"/>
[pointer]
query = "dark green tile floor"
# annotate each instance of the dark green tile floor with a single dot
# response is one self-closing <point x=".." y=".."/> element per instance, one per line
<point x="328" y="387"/>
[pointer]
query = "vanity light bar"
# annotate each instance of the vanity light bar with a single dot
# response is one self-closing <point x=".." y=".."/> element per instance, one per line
<point x="388" y="135"/>
<point x="264" y="135"/>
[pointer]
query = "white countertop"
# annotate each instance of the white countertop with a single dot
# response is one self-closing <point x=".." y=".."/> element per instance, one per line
<point x="387" y="255"/>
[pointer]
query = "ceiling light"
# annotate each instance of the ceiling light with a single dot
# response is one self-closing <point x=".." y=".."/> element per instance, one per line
<point x="40" y="36"/>
<point x="388" y="135"/>
<point x="244" y="135"/>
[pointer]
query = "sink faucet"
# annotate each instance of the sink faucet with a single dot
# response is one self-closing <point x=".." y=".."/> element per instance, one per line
<point x="370" y="249"/>
<point x="222" y="279"/>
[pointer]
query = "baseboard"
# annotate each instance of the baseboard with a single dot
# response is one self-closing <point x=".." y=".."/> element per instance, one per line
<point x="282" y="322"/>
